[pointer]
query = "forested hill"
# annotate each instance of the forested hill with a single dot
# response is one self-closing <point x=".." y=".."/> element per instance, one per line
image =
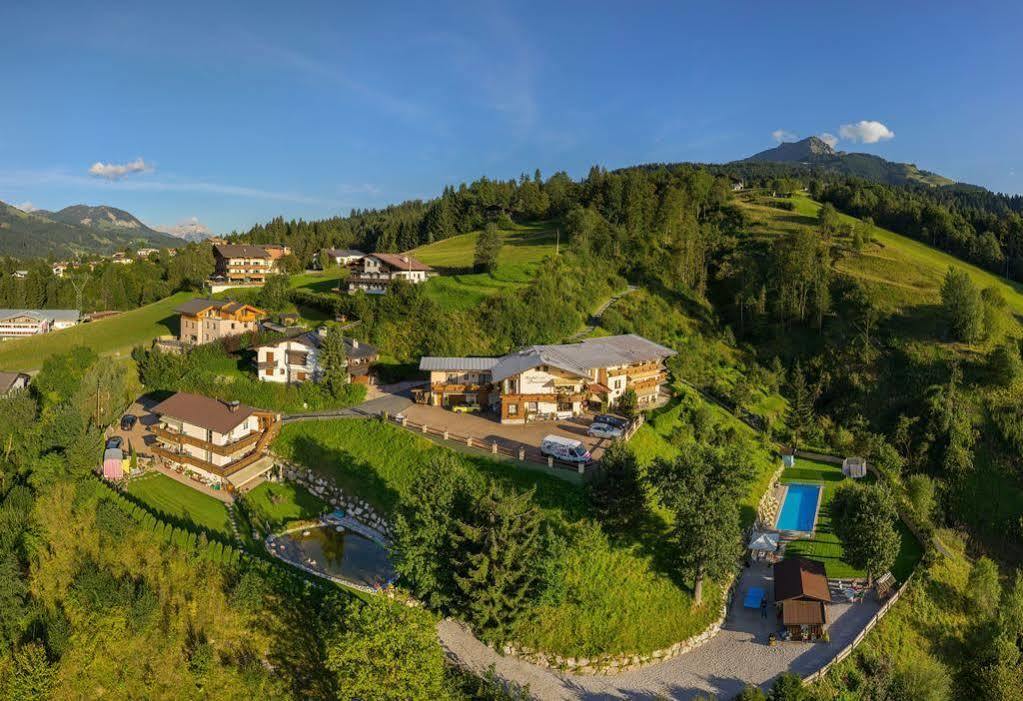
<point x="75" y="229"/>
<point x="815" y="154"/>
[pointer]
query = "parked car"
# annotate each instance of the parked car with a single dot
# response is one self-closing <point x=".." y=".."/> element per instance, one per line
<point x="611" y="420"/>
<point x="565" y="449"/>
<point x="604" y="431"/>
<point x="465" y="408"/>
<point x="128" y="422"/>
<point x="113" y="442"/>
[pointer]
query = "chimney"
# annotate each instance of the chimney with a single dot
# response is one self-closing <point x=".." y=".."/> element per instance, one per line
<point x="233" y="405"/>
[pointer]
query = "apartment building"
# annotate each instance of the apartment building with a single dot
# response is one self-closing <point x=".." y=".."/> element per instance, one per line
<point x="18" y="323"/>
<point x="375" y="272"/>
<point x="297" y="359"/>
<point x="242" y="264"/>
<point x="215" y="441"/>
<point x="546" y="382"/>
<point x="208" y="320"/>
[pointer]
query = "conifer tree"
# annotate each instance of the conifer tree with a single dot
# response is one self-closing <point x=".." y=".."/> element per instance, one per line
<point x="333" y="360"/>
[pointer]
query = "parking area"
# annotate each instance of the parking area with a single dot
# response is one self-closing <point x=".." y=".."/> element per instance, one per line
<point x="139" y="436"/>
<point x="487" y="430"/>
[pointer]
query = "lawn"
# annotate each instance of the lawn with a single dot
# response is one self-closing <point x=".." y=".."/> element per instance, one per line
<point x="115" y="335"/>
<point x="825" y="546"/>
<point x="275" y="505"/>
<point x="600" y="596"/>
<point x="167" y="496"/>
<point x="457" y="287"/>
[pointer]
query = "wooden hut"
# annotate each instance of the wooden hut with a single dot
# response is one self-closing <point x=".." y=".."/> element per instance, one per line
<point x="802" y="597"/>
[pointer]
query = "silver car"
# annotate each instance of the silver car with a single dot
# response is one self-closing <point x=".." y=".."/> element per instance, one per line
<point x="603" y="431"/>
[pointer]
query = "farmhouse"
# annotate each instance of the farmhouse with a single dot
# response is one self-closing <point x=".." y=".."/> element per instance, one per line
<point x="16" y="323"/>
<point x="296" y="359"/>
<point x="242" y="264"/>
<point x="379" y="269"/>
<point x="339" y="256"/>
<point x="546" y="382"/>
<point x="802" y="596"/>
<point x="213" y="441"/>
<point x="208" y="320"/>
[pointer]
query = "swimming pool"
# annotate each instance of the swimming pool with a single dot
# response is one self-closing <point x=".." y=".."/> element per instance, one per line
<point x="799" y="510"/>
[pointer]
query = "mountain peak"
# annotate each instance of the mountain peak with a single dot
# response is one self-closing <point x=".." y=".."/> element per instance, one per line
<point x="812" y="149"/>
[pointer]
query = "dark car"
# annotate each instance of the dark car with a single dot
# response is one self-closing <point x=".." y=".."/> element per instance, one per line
<point x="114" y="442"/>
<point x="611" y="420"/>
<point x="128" y="422"/>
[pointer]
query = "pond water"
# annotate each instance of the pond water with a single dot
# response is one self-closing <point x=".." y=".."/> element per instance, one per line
<point x="344" y="554"/>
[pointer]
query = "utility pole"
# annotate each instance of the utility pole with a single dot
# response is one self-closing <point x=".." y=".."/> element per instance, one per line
<point x="557" y="242"/>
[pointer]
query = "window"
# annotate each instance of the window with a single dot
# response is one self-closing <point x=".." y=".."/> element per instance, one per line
<point x="513" y="410"/>
<point x="268" y="372"/>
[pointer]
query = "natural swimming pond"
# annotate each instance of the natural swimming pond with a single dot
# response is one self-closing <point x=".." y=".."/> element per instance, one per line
<point x="799" y="510"/>
<point x="337" y="553"/>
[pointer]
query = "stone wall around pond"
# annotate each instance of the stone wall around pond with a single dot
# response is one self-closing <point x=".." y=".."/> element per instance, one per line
<point x="353" y="506"/>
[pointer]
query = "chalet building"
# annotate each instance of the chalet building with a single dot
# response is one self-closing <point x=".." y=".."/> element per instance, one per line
<point x="276" y="251"/>
<point x="12" y="382"/>
<point x="208" y="320"/>
<point x="339" y="256"/>
<point x="802" y="597"/>
<point x="213" y="441"/>
<point x="242" y="264"/>
<point x="18" y="323"/>
<point x="546" y="382"/>
<point x="377" y="270"/>
<point x="296" y="359"/>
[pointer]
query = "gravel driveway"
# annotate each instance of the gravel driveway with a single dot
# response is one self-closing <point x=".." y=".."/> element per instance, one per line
<point x="734" y="657"/>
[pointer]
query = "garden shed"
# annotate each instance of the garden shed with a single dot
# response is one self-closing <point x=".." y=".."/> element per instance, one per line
<point x="854" y="467"/>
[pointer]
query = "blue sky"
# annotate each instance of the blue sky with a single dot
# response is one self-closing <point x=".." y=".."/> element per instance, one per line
<point x="236" y="113"/>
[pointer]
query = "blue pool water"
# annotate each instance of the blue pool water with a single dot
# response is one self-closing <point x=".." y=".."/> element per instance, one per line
<point x="800" y="508"/>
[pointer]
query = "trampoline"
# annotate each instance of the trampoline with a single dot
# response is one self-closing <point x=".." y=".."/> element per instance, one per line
<point x="754" y="597"/>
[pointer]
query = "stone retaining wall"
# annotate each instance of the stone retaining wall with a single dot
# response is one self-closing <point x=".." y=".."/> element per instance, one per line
<point x="325" y="489"/>
<point x="616" y="664"/>
<point x="767" y="509"/>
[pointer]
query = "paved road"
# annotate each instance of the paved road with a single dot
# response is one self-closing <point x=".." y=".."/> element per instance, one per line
<point x="723" y="666"/>
<point x="390" y="398"/>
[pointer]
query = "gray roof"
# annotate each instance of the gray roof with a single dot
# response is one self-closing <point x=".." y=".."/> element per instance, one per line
<point x="580" y="358"/>
<point x="7" y="380"/>
<point x="344" y="253"/>
<point x="313" y="339"/>
<point x="447" y="363"/>
<point x="236" y="250"/>
<point x="51" y="314"/>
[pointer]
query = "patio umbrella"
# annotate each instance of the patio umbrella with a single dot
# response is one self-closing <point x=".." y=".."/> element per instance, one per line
<point x="764" y="542"/>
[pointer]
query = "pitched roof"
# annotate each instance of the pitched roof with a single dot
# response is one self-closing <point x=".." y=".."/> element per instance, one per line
<point x="449" y="363"/>
<point x="313" y="339"/>
<point x="204" y="412"/>
<point x="803" y="613"/>
<point x="401" y="261"/>
<point x="799" y="578"/>
<point x="194" y="306"/>
<point x="580" y="358"/>
<point x="344" y="253"/>
<point x="7" y="380"/>
<point x="236" y="250"/>
<point x="51" y="314"/>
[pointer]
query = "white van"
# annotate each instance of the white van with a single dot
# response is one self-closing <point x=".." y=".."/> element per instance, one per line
<point x="566" y="449"/>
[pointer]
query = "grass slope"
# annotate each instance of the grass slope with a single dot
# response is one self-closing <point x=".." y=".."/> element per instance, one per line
<point x="457" y="287"/>
<point x="170" y="497"/>
<point x="275" y="505"/>
<point x="114" y="335"/>
<point x="600" y="596"/>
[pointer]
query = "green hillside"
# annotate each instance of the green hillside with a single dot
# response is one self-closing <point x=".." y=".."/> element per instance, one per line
<point x="457" y="287"/>
<point x="117" y="334"/>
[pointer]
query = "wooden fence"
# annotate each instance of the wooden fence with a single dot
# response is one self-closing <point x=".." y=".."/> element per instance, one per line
<point x="848" y="649"/>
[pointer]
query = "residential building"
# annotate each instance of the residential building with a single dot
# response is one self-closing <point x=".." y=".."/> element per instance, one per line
<point x="802" y="596"/>
<point x="12" y="382"/>
<point x="339" y="256"/>
<point x="276" y="251"/>
<point x="20" y="274"/>
<point x="146" y="252"/>
<point x="242" y="264"/>
<point x="17" y="323"/>
<point x="208" y="320"/>
<point x="378" y="270"/>
<point x="296" y="359"/>
<point x="59" y="269"/>
<point x="121" y="259"/>
<point x="551" y="381"/>
<point x="213" y="441"/>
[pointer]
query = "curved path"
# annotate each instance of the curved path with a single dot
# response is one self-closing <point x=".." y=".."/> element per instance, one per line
<point x="723" y="666"/>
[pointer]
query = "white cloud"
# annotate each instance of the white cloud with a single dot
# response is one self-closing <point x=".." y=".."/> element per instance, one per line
<point x="782" y="135"/>
<point x="829" y="138"/>
<point x="190" y="227"/>
<point x="115" y="171"/>
<point x="866" y="131"/>
<point x="26" y="207"/>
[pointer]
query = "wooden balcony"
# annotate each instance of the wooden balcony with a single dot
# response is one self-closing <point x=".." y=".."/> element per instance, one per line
<point x="227" y="449"/>
<point x="456" y="388"/>
<point x="647" y="386"/>
<point x="244" y="461"/>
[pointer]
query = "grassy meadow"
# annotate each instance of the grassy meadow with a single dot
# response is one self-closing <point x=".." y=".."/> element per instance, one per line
<point x="112" y="336"/>
<point x="457" y="287"/>
<point x="276" y="505"/>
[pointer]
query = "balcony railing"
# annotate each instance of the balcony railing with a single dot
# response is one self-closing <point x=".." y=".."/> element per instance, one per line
<point x="226" y="449"/>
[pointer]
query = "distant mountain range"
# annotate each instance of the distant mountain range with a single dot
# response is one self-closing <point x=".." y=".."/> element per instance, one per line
<point x="76" y="229"/>
<point x="815" y="153"/>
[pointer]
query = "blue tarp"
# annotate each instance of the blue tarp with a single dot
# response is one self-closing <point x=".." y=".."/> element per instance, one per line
<point x="754" y="597"/>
